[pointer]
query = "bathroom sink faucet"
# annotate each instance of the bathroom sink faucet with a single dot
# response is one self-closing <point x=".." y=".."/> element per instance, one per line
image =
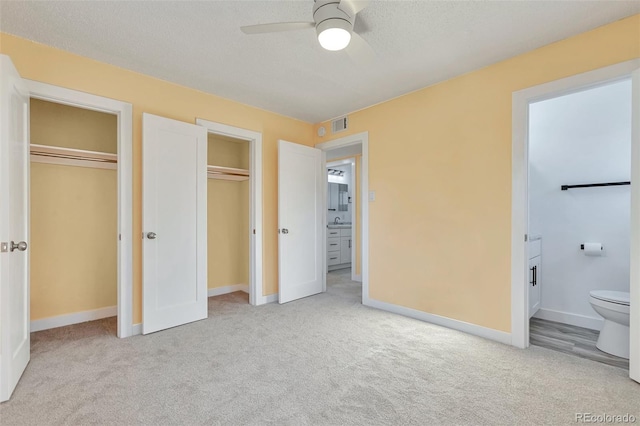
<point x="337" y="220"/>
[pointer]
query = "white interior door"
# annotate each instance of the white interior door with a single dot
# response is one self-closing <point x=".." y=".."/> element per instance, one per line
<point x="14" y="228"/>
<point x="301" y="185"/>
<point x="634" y="287"/>
<point x="174" y="223"/>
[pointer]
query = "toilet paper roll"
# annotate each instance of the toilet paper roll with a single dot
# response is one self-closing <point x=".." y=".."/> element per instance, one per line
<point x="593" y="249"/>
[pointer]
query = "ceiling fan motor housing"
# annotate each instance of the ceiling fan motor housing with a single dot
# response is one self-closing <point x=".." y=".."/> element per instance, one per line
<point x="326" y="14"/>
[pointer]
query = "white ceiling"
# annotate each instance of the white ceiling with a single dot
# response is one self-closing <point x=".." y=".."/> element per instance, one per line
<point x="199" y="44"/>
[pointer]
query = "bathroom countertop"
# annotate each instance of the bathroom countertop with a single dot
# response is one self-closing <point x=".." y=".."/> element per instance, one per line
<point x="339" y="226"/>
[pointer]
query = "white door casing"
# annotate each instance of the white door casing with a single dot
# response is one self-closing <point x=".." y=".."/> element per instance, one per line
<point x="519" y="216"/>
<point x="124" y="112"/>
<point x="634" y="287"/>
<point x="256" y="296"/>
<point x="174" y="223"/>
<point x="14" y="228"/>
<point x="301" y="255"/>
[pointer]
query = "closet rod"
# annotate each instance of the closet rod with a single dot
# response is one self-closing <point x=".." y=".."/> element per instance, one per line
<point x="590" y="185"/>
<point x="73" y="157"/>
<point x="72" y="154"/>
<point x="227" y="173"/>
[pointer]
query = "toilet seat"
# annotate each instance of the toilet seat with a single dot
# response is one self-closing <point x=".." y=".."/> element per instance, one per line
<point x="617" y="297"/>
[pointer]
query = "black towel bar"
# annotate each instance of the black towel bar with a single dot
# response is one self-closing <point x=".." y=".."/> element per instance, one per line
<point x="589" y="185"/>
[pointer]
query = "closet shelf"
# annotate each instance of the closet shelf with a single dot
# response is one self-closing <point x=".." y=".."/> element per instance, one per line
<point x="73" y="157"/>
<point x="227" y="173"/>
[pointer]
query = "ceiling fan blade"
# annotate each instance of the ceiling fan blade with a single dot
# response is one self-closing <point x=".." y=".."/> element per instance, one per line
<point x="352" y="7"/>
<point x="277" y="27"/>
<point x="360" y="51"/>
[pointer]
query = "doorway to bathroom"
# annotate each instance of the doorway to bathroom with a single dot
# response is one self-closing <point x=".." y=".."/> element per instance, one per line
<point x="575" y="227"/>
<point x="346" y="217"/>
<point x="343" y="277"/>
<point x="579" y="222"/>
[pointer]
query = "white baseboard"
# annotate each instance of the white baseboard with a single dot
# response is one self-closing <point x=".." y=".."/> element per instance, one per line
<point x="227" y="289"/>
<point x="75" y="318"/>
<point x="476" y="330"/>
<point x="136" y="329"/>
<point x="271" y="298"/>
<point x="592" y="323"/>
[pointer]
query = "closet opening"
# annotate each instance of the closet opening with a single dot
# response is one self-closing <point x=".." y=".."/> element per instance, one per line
<point x="74" y="202"/>
<point x="228" y="219"/>
<point x="234" y="215"/>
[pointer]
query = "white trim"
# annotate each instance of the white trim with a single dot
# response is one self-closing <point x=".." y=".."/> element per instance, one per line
<point x="136" y="330"/>
<point x="218" y="291"/>
<point x="124" y="112"/>
<point x="592" y="323"/>
<point x="634" y="287"/>
<point x="356" y="277"/>
<point x="256" y="296"/>
<point x="271" y="298"/>
<point x="75" y="318"/>
<point x="476" y="330"/>
<point x="519" y="196"/>
<point x="358" y="138"/>
<point x="354" y="222"/>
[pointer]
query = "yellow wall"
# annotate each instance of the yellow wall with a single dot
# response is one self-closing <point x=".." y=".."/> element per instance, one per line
<point x="147" y="94"/>
<point x="70" y="127"/>
<point x="228" y="215"/>
<point x="73" y="215"/>
<point x="440" y="163"/>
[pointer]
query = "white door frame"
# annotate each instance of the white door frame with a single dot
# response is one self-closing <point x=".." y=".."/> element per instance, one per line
<point x="123" y="111"/>
<point x="256" y="296"/>
<point x="520" y="197"/>
<point x="359" y="138"/>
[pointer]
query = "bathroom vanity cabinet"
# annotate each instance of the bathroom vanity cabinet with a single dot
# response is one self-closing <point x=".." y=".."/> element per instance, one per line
<point x="535" y="264"/>
<point x="338" y="248"/>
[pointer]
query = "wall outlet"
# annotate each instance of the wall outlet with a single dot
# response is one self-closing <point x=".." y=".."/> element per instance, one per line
<point x="372" y="195"/>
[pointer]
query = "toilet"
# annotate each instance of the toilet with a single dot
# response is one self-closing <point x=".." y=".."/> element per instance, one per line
<point x="613" y="306"/>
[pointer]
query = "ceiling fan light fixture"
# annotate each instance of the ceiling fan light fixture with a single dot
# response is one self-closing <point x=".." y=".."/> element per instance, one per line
<point x="334" y="34"/>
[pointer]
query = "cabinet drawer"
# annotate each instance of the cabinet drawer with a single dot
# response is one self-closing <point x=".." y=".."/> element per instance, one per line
<point x="345" y="232"/>
<point x="333" y="258"/>
<point x="333" y="233"/>
<point x="535" y="248"/>
<point x="333" y="244"/>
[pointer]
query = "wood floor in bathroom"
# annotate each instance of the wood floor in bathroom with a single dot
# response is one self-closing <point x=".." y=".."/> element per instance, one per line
<point x="572" y="340"/>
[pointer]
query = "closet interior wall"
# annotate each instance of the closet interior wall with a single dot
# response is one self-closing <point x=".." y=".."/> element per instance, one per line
<point x="73" y="214"/>
<point x="228" y="215"/>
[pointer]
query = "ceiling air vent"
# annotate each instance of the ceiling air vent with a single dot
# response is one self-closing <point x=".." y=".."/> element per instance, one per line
<point x="339" y="124"/>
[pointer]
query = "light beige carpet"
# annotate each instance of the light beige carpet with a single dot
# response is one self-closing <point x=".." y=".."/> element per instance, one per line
<point x="323" y="360"/>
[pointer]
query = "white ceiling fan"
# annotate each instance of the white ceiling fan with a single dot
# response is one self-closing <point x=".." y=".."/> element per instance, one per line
<point x="333" y="21"/>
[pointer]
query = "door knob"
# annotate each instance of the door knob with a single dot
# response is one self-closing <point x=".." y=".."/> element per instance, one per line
<point x="151" y="235"/>
<point x="285" y="231"/>
<point x="22" y="246"/>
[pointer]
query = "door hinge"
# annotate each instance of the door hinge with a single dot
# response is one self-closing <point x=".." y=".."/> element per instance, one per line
<point x="119" y="237"/>
<point x="254" y="232"/>
<point x="526" y="238"/>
